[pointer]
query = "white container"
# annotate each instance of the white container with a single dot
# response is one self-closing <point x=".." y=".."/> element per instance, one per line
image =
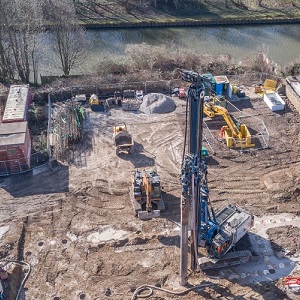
<point x="274" y="101"/>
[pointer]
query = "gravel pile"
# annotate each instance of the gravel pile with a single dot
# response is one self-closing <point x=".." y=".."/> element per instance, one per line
<point x="155" y="103"/>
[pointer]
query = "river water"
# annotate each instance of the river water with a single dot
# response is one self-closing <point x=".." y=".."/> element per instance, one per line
<point x="281" y="42"/>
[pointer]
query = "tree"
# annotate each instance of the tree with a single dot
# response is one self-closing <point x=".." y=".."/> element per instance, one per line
<point x="20" y="21"/>
<point x="69" y="37"/>
<point x="6" y="62"/>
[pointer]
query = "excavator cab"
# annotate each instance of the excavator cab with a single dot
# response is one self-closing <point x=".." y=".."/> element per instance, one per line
<point x="94" y="100"/>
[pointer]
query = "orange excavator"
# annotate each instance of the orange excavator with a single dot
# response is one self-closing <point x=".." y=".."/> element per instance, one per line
<point x="146" y="194"/>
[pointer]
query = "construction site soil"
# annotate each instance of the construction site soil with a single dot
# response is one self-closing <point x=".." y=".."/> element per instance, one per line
<point x="76" y="227"/>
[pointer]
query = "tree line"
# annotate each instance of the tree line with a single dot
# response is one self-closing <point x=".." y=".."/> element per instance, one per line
<point x="22" y="25"/>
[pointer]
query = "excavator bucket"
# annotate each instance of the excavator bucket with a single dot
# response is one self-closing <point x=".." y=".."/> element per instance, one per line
<point x="145" y="215"/>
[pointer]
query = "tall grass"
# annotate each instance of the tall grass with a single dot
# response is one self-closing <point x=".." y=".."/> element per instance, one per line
<point x="143" y="62"/>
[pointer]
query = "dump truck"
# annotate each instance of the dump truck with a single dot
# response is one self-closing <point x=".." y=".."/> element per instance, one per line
<point x="122" y="139"/>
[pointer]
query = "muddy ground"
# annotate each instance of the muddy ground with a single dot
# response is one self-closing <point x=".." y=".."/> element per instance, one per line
<point x="76" y="228"/>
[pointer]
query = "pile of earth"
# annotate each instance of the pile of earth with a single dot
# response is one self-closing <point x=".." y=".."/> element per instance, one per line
<point x="155" y="103"/>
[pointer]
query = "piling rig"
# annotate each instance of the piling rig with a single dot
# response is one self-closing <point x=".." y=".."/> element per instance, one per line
<point x="200" y="225"/>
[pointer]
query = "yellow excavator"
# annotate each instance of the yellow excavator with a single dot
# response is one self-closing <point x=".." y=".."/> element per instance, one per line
<point x="236" y="136"/>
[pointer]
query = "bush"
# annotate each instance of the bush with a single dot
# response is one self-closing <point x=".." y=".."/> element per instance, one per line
<point x="111" y="67"/>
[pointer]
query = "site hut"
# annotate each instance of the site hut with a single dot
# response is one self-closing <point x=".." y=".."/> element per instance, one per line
<point x="222" y="86"/>
<point x="15" y="147"/>
<point x="15" y="142"/>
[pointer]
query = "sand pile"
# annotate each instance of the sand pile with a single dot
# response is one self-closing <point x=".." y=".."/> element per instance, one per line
<point x="156" y="103"/>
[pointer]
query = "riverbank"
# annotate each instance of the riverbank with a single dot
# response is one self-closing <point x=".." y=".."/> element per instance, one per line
<point x="181" y="23"/>
<point x="208" y="13"/>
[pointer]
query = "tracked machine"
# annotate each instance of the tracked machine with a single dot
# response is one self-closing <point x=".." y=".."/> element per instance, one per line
<point x="146" y="194"/>
<point x="122" y="139"/>
<point x="201" y="227"/>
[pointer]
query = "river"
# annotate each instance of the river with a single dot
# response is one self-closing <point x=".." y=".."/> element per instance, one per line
<point x="280" y="42"/>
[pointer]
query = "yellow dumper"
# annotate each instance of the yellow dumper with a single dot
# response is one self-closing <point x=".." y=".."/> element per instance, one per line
<point x="122" y="139"/>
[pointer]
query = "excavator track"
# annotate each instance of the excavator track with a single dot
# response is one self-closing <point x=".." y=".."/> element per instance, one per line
<point x="229" y="259"/>
<point x="136" y="205"/>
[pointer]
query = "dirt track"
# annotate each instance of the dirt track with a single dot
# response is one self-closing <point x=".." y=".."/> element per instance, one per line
<point x="77" y="230"/>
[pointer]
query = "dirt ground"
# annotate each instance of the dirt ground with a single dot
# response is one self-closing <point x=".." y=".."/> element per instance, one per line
<point x="76" y="228"/>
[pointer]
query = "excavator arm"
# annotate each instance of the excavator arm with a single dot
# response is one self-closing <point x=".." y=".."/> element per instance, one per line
<point x="147" y="186"/>
<point x="212" y="110"/>
<point x="235" y="135"/>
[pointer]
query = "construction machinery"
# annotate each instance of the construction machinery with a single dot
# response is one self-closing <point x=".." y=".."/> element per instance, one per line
<point x="217" y="233"/>
<point x="122" y="139"/>
<point x="235" y="135"/>
<point x="146" y="194"/>
<point x="96" y="104"/>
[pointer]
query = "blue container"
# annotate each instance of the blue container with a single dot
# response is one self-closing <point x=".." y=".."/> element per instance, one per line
<point x="219" y="89"/>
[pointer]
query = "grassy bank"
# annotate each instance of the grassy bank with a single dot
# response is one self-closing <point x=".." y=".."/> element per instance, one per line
<point x="120" y="13"/>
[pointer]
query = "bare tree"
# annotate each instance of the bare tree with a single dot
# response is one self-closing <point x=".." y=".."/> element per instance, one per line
<point x="6" y="61"/>
<point x="20" y="20"/>
<point x="69" y="45"/>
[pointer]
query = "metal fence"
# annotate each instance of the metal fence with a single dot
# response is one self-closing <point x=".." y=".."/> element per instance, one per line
<point x="260" y="134"/>
<point x="250" y="79"/>
<point x="107" y="89"/>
